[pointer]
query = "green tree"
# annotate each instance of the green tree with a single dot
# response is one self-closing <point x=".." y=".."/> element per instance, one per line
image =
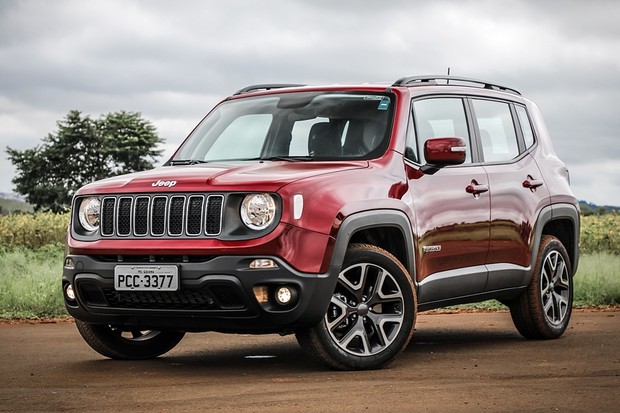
<point x="131" y="142"/>
<point x="585" y="209"/>
<point x="600" y="210"/>
<point x="81" y="151"/>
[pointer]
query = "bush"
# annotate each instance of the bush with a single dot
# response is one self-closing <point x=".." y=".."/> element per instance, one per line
<point x="31" y="257"/>
<point x="600" y="233"/>
<point x="33" y="231"/>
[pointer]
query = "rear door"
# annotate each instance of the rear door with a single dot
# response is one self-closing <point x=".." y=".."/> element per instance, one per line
<point x="517" y="191"/>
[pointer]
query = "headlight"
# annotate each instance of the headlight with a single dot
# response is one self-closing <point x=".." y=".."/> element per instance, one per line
<point x="258" y="211"/>
<point x="89" y="213"/>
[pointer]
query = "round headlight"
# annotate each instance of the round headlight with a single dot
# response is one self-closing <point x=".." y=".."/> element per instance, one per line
<point x="89" y="213"/>
<point x="258" y="211"/>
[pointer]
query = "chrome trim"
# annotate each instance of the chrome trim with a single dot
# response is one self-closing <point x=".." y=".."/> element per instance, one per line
<point x="166" y="216"/>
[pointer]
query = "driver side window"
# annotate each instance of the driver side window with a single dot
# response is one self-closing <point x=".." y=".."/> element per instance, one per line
<point x="243" y="138"/>
<point x="440" y="118"/>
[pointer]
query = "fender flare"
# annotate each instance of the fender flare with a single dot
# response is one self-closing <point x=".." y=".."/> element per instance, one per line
<point x="551" y="213"/>
<point x="371" y="219"/>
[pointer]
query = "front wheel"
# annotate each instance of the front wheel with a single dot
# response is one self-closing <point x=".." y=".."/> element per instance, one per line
<point x="371" y="316"/>
<point x="544" y="309"/>
<point x="127" y="343"/>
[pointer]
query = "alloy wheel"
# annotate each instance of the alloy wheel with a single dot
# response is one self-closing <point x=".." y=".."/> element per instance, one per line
<point x="555" y="288"/>
<point x="366" y="310"/>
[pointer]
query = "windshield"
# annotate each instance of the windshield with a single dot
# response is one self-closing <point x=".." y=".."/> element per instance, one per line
<point x="292" y="126"/>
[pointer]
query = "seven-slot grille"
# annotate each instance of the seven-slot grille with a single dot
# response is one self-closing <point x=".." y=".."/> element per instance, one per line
<point x="161" y="215"/>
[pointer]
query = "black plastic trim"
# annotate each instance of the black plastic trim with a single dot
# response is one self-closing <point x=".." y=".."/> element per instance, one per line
<point x="314" y="292"/>
<point x="374" y="219"/>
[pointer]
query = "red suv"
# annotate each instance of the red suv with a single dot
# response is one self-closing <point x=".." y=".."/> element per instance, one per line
<point x="332" y="212"/>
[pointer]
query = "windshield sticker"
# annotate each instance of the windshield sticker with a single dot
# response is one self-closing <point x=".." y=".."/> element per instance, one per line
<point x="373" y="97"/>
<point x="384" y="104"/>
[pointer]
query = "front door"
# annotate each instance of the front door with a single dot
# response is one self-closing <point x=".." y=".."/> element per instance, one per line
<point x="452" y="207"/>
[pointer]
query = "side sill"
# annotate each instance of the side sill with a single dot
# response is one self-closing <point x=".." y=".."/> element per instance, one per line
<point x="501" y="295"/>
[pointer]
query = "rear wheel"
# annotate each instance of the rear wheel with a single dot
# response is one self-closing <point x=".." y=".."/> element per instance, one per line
<point x="371" y="316"/>
<point x="128" y="343"/>
<point x="544" y="309"/>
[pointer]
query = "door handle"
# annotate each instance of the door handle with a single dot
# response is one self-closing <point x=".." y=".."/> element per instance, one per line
<point x="476" y="189"/>
<point x="532" y="183"/>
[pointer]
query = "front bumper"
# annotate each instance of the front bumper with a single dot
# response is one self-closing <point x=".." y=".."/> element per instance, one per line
<point x="215" y="294"/>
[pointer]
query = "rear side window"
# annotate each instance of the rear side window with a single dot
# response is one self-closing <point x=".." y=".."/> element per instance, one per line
<point x="440" y="118"/>
<point x="526" y="126"/>
<point x="497" y="130"/>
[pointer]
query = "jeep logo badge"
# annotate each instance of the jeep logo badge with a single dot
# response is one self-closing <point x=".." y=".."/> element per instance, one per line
<point x="168" y="184"/>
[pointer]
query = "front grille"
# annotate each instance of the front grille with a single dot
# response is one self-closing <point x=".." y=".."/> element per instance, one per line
<point x="215" y="297"/>
<point x="162" y="215"/>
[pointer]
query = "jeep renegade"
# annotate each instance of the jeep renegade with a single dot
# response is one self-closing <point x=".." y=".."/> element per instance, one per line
<point x="335" y="213"/>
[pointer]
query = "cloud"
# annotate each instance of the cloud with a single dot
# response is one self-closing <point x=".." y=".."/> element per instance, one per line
<point x="173" y="62"/>
<point x="607" y="180"/>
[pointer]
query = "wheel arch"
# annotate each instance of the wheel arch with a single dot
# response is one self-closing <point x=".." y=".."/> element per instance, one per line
<point x="561" y="221"/>
<point x="387" y="229"/>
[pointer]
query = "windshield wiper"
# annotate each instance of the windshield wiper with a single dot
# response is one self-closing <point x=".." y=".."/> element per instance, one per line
<point x="176" y="162"/>
<point x="286" y="158"/>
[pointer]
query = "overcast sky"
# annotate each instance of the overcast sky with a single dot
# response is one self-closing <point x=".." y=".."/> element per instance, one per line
<point x="173" y="60"/>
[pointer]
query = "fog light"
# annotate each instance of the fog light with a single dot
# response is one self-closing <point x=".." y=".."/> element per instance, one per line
<point x="261" y="292"/>
<point x="263" y="263"/>
<point x="285" y="295"/>
<point x="69" y="292"/>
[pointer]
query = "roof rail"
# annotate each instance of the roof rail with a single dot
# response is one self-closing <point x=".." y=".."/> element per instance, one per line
<point x="462" y="81"/>
<point x="266" y="86"/>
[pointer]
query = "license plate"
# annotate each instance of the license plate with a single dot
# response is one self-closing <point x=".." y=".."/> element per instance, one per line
<point x="146" y="278"/>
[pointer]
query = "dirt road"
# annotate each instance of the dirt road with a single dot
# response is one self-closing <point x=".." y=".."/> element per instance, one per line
<point x="456" y="363"/>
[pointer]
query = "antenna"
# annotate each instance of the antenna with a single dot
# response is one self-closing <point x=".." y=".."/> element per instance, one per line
<point x="448" y="81"/>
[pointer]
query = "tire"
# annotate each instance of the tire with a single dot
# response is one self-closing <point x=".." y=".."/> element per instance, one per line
<point x="371" y="317"/>
<point x="544" y="309"/>
<point x="128" y="344"/>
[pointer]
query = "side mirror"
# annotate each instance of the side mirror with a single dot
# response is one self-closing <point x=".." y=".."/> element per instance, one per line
<point x="445" y="151"/>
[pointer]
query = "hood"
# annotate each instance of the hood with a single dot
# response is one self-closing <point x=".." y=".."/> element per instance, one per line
<point x="263" y="176"/>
